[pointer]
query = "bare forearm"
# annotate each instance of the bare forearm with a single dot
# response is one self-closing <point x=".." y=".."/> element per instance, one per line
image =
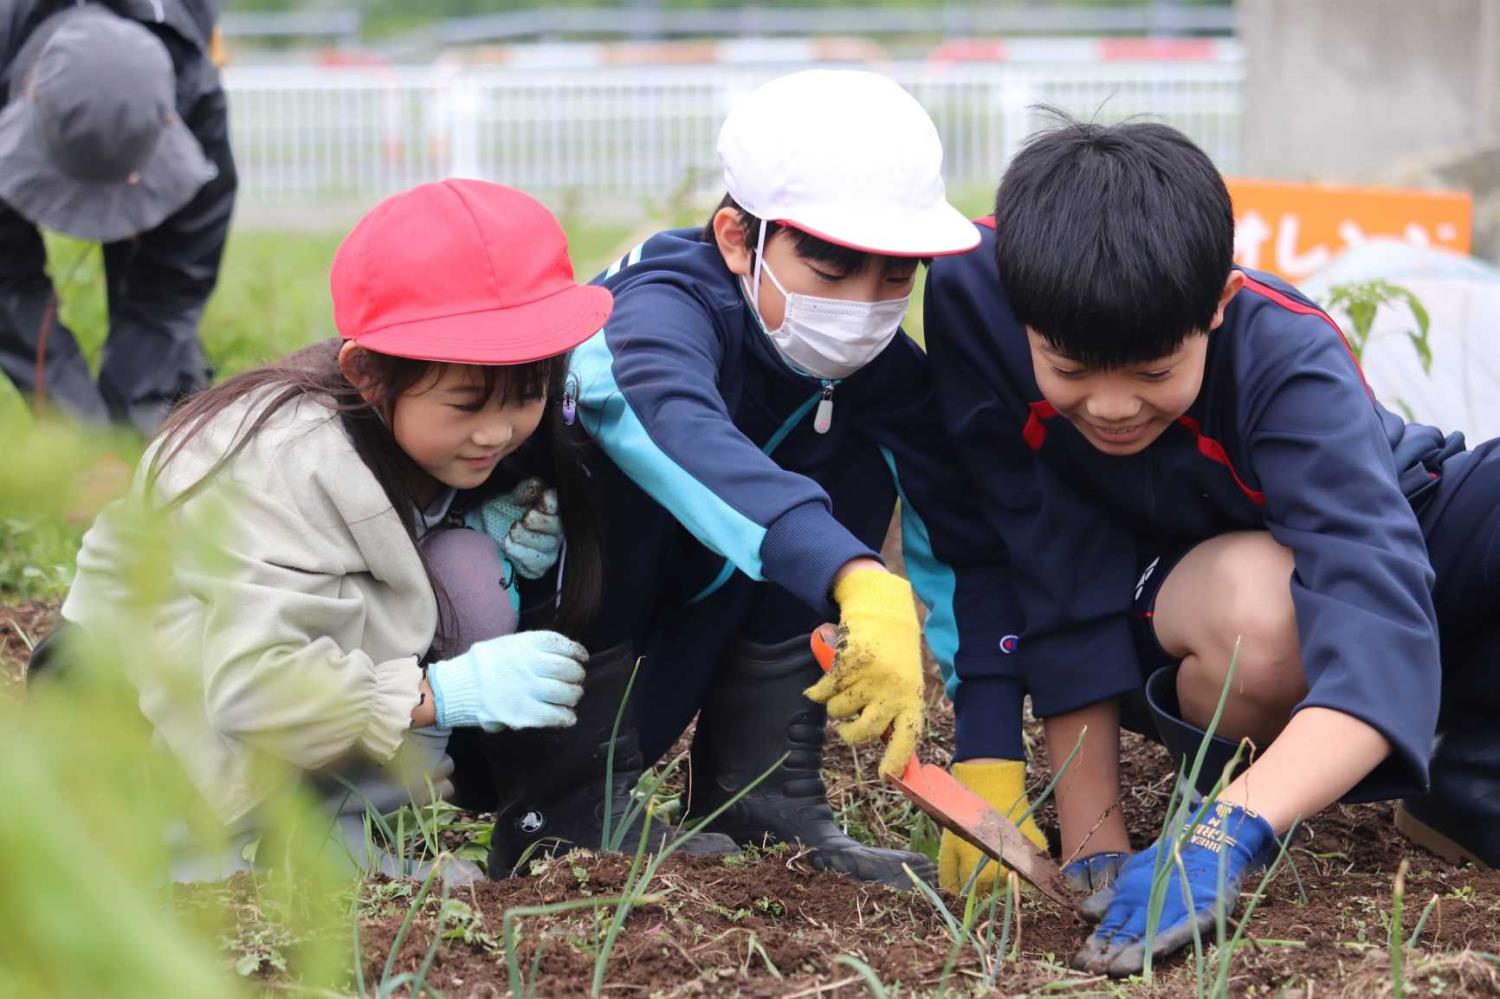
<point x="1285" y="785"/>
<point x="1087" y="795"/>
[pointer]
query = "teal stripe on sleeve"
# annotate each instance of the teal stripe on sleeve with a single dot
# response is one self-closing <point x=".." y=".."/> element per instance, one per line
<point x="614" y="425"/>
<point x="727" y="572"/>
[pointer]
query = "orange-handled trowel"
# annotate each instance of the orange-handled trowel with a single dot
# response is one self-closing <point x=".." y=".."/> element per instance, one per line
<point x="961" y="811"/>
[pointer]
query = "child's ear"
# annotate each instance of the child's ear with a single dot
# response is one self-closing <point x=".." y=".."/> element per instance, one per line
<point x="1232" y="285"/>
<point x="350" y="355"/>
<point x="729" y="234"/>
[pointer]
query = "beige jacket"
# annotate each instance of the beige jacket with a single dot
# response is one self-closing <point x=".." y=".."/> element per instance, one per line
<point x="295" y="612"/>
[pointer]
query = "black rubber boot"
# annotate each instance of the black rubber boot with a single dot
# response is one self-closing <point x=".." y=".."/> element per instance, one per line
<point x="47" y="658"/>
<point x="1459" y="819"/>
<point x="755" y="712"/>
<point x="553" y="787"/>
<point x="1183" y="739"/>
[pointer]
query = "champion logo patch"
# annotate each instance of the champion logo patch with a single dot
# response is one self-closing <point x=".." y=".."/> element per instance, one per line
<point x="531" y="822"/>
<point x="1010" y="643"/>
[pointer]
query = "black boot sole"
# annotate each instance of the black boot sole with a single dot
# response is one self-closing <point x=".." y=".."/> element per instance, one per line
<point x="1434" y="842"/>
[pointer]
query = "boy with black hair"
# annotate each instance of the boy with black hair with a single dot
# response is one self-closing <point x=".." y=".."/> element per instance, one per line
<point x="1191" y="471"/>
<point x="756" y="410"/>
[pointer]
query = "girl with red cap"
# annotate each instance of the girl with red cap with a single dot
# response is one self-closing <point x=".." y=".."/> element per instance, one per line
<point x="347" y="625"/>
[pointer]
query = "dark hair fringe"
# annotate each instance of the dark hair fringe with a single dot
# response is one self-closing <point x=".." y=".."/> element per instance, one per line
<point x="1113" y="241"/>
<point x="314" y="372"/>
<point x="846" y="260"/>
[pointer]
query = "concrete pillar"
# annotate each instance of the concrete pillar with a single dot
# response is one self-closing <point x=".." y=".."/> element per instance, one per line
<point x="1341" y="90"/>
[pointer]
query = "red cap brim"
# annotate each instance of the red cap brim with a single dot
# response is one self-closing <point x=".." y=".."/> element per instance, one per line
<point x="531" y="332"/>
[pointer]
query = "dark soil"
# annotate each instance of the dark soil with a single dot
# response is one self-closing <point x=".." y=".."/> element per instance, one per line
<point x="1321" y="929"/>
<point x="719" y="929"/>
<point x="769" y="925"/>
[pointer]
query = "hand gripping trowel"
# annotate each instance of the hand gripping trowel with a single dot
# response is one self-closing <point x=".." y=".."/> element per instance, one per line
<point x="961" y="811"/>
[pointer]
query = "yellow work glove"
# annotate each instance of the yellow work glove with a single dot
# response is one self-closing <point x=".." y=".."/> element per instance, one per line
<point x="876" y="678"/>
<point x="1002" y="784"/>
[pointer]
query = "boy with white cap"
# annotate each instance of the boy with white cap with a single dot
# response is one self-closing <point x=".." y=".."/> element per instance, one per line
<point x="758" y="410"/>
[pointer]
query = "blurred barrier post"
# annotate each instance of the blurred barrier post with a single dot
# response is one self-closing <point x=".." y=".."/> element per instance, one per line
<point x="306" y="133"/>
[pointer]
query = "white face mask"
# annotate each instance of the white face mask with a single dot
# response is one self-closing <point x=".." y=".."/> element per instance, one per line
<point x="828" y="337"/>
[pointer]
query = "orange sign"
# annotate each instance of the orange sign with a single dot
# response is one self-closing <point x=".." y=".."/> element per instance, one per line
<point x="1294" y="229"/>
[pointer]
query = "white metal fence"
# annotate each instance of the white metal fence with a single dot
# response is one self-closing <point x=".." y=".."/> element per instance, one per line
<point x="307" y="133"/>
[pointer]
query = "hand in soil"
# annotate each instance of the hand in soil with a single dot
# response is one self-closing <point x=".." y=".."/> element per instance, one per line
<point x="1094" y="876"/>
<point x="1226" y="846"/>
<point x="1001" y="783"/>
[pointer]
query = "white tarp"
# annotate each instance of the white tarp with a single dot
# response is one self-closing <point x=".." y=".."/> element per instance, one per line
<point x="1462" y="297"/>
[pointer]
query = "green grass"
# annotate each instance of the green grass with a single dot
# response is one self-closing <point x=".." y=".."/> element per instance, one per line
<point x="272" y="296"/>
<point x="36" y="557"/>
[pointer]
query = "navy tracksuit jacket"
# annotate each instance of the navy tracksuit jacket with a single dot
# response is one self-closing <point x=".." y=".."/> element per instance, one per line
<point x="689" y="399"/>
<point x="1284" y="436"/>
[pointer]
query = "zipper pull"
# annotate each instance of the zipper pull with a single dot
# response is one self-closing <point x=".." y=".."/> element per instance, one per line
<point x="823" y="418"/>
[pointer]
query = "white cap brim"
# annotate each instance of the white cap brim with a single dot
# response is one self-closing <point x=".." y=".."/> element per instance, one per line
<point x="938" y="231"/>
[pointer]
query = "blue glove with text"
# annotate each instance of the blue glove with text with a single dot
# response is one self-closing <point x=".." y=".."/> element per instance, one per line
<point x="1229" y="836"/>
<point x="530" y="679"/>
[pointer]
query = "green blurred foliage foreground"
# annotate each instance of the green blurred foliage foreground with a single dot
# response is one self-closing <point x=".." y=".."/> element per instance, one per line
<point x="92" y="804"/>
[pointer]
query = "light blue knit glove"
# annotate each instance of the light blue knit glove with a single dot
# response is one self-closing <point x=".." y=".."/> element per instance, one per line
<point x="534" y="542"/>
<point x="530" y="679"/>
<point x="526" y="524"/>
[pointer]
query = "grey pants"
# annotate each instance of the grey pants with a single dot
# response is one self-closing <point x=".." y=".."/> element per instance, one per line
<point x="468" y="567"/>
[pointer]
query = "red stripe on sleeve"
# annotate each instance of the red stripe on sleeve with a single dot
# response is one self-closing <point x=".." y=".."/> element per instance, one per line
<point x="1215" y="452"/>
<point x="1292" y="305"/>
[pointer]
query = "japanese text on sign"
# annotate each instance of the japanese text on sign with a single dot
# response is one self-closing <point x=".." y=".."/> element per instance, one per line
<point x="1295" y="229"/>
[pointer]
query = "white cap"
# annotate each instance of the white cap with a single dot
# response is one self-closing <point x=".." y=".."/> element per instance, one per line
<point x="847" y="156"/>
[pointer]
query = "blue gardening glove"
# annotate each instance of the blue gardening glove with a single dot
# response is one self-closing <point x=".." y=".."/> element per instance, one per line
<point x="525" y="523"/>
<point x="1229" y="835"/>
<point x="530" y="679"/>
<point x="1094" y="877"/>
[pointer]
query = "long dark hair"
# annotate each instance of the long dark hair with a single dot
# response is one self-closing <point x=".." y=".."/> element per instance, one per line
<point x="315" y="372"/>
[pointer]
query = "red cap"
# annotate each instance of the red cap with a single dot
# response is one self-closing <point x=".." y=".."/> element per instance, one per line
<point x="462" y="271"/>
